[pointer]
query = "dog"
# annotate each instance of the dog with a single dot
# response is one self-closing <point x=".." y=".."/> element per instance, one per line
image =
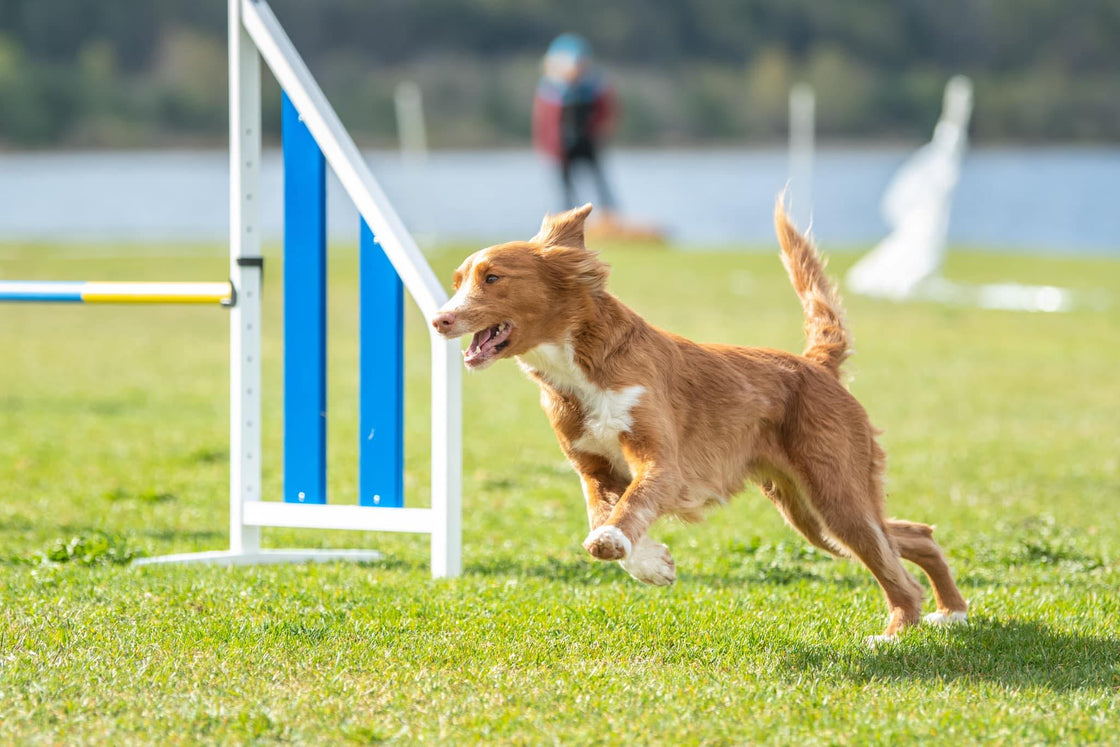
<point x="657" y="425"/>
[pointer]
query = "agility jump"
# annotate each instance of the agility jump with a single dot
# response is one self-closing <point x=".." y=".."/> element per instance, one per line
<point x="390" y="262"/>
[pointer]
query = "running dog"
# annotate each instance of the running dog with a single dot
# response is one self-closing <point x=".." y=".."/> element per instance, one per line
<point x="657" y="425"/>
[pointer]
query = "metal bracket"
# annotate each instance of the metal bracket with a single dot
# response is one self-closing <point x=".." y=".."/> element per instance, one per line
<point x="257" y="262"/>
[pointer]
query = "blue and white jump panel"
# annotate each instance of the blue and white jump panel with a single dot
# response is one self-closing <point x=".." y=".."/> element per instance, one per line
<point x="390" y="264"/>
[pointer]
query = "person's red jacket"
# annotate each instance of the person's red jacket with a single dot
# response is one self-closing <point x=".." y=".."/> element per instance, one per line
<point x="553" y="96"/>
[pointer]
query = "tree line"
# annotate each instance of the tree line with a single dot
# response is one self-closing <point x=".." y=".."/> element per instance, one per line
<point x="124" y="73"/>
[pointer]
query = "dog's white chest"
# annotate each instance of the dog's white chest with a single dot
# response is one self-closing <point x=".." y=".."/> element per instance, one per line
<point x="607" y="413"/>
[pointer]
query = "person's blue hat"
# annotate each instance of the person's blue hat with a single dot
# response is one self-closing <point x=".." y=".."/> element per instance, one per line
<point x="572" y="45"/>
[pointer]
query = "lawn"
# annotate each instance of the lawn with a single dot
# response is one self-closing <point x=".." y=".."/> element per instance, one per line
<point x="1003" y="429"/>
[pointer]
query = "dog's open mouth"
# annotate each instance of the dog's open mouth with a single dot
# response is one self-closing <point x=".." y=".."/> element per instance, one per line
<point x="486" y="345"/>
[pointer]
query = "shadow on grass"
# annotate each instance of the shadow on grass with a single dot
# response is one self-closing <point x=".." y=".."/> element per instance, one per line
<point x="593" y="573"/>
<point x="86" y="548"/>
<point x="182" y="535"/>
<point x="577" y="571"/>
<point x="1012" y="653"/>
<point x="773" y="576"/>
<point x="91" y="545"/>
<point x="19" y="525"/>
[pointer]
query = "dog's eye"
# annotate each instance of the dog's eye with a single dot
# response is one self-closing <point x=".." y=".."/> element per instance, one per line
<point x="491" y="279"/>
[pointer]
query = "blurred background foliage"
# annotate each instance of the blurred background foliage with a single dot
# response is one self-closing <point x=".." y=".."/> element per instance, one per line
<point x="124" y="73"/>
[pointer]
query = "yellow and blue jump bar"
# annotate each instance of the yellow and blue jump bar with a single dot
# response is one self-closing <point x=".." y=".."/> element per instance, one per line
<point x="95" y="291"/>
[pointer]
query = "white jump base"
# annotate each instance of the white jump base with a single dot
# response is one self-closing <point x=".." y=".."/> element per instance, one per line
<point x="265" y="557"/>
<point x="304" y="516"/>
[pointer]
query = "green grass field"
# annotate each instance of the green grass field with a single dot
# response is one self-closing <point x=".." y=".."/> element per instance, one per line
<point x="1002" y="428"/>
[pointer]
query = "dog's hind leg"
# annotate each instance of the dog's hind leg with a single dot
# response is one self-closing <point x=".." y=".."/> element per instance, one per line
<point x="855" y="523"/>
<point x="798" y="515"/>
<point x="867" y="540"/>
<point x="857" y="533"/>
<point x="915" y="543"/>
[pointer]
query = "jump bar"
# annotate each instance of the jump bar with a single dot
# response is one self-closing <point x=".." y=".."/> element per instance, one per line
<point x="64" y="291"/>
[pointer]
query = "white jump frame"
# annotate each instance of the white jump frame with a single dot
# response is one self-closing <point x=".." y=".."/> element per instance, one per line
<point x="255" y="33"/>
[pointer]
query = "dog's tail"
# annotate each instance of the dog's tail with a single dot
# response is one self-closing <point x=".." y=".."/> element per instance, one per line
<point x="827" y="337"/>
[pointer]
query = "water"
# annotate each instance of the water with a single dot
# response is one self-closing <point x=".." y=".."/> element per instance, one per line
<point x="1058" y="200"/>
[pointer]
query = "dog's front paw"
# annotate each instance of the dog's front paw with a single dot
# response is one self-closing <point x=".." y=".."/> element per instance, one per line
<point x="607" y="543"/>
<point x="651" y="563"/>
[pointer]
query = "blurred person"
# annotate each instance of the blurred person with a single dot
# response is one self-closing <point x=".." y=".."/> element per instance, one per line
<point x="573" y="112"/>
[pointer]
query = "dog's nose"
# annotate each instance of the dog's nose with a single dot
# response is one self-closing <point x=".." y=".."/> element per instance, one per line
<point x="443" y="321"/>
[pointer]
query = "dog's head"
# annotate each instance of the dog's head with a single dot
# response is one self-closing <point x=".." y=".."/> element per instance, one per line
<point x="513" y="297"/>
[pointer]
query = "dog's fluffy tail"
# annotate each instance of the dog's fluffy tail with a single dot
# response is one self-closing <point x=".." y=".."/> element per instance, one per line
<point x="827" y="337"/>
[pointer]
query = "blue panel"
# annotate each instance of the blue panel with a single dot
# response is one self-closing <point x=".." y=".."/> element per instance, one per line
<point x="381" y="378"/>
<point x="305" y="313"/>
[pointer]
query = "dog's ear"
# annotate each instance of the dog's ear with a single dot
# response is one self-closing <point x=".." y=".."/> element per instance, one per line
<point x="569" y="267"/>
<point x="565" y="229"/>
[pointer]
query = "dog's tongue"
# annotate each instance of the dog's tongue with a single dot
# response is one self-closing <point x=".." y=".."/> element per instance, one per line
<point x="480" y="339"/>
<point x="485" y="344"/>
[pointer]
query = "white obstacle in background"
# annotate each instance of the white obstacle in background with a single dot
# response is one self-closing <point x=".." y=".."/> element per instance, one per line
<point x="412" y="131"/>
<point x="254" y="32"/>
<point x="802" y="126"/>
<point x="917" y="204"/>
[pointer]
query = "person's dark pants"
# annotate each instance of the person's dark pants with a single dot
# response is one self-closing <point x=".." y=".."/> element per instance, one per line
<point x="584" y="153"/>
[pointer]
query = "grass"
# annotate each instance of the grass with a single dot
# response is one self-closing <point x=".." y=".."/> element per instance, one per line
<point x="1001" y="428"/>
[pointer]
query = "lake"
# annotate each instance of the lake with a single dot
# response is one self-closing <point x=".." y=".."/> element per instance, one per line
<point x="1053" y="199"/>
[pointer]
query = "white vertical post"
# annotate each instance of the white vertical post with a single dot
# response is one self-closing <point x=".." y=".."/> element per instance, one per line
<point x="245" y="273"/>
<point x="413" y="134"/>
<point x="410" y="120"/>
<point x="802" y="122"/>
<point x="447" y="458"/>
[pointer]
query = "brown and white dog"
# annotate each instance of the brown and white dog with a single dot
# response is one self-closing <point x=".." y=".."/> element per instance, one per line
<point x="658" y="425"/>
